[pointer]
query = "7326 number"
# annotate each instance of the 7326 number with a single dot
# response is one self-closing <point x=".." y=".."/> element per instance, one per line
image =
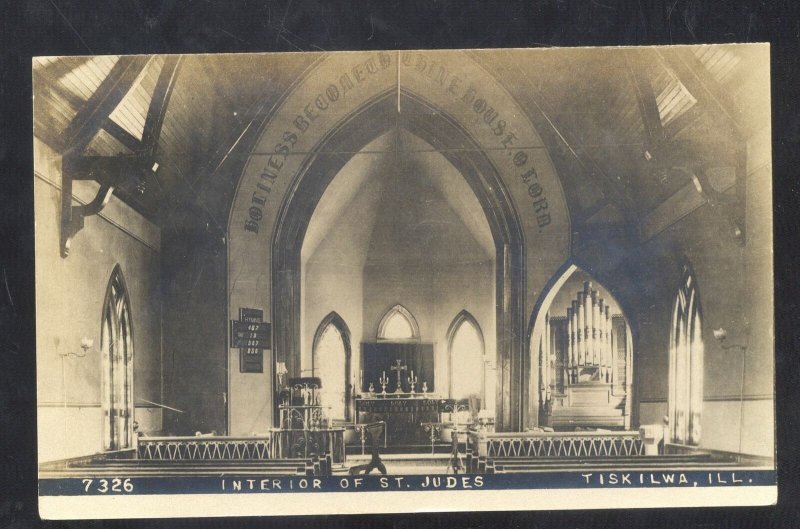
<point x="104" y="486"/>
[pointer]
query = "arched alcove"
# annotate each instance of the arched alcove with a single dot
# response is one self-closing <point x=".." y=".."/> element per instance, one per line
<point x="582" y="351"/>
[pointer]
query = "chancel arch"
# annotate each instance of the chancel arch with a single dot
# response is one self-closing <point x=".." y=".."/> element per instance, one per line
<point x="582" y="350"/>
<point x="331" y="361"/>
<point x="117" y="357"/>
<point x="504" y="239"/>
<point x="500" y="156"/>
<point x="685" y="402"/>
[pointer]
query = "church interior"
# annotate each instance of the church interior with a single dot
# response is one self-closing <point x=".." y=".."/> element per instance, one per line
<point x="410" y="262"/>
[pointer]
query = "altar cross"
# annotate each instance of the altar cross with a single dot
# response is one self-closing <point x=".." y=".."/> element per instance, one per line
<point x="397" y="367"/>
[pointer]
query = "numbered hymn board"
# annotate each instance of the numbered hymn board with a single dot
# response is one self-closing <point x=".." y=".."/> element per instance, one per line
<point x="382" y="281"/>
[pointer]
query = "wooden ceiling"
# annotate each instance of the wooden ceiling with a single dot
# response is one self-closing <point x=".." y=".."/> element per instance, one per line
<point x="617" y="122"/>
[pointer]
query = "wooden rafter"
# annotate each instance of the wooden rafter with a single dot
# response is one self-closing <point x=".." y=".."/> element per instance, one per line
<point x="94" y="113"/>
<point x="123" y="136"/>
<point x="701" y="84"/>
<point x="158" y="104"/>
<point x="646" y="99"/>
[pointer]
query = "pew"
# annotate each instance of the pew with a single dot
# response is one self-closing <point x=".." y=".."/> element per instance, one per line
<point x="514" y="464"/>
<point x="198" y="455"/>
<point x="143" y="468"/>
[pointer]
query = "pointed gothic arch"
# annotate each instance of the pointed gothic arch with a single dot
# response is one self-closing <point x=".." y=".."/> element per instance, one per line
<point x="561" y="363"/>
<point x="398" y="318"/>
<point x="437" y="128"/>
<point x="334" y="322"/>
<point x="116" y="344"/>
<point x="464" y="321"/>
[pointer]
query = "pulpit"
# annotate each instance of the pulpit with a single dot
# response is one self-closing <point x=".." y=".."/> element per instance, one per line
<point x="304" y="430"/>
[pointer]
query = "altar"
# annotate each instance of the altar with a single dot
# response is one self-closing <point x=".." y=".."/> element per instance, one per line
<point x="403" y="414"/>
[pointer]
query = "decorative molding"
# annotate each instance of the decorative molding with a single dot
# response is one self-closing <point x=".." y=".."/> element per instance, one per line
<point x="55" y="404"/>
<point x="738" y="398"/>
<point x="716" y="398"/>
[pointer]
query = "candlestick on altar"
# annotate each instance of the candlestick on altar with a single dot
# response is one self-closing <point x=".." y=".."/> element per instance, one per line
<point x="413" y="381"/>
<point x="383" y="380"/>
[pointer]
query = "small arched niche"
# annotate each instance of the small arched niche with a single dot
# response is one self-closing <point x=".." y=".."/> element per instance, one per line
<point x="581" y="355"/>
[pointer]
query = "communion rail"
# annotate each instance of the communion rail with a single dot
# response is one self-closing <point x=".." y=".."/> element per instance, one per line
<point x="538" y="446"/>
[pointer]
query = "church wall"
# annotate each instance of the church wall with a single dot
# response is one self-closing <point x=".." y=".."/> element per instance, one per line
<point x="195" y="363"/>
<point x="735" y="289"/>
<point x="327" y="288"/>
<point x="412" y="286"/>
<point x="467" y="287"/>
<point x="70" y="293"/>
<point x="435" y="296"/>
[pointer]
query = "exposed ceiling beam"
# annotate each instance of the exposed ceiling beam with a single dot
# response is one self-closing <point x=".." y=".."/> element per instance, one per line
<point x="701" y="84"/>
<point x="645" y="97"/>
<point x="683" y="121"/>
<point x="159" y="102"/>
<point x="93" y="114"/>
<point x="127" y="139"/>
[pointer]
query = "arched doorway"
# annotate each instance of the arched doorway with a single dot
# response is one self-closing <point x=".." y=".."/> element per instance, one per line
<point x="117" y="358"/>
<point x="436" y="128"/>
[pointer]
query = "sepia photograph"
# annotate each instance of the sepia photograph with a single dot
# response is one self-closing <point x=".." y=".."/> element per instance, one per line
<point x="404" y="281"/>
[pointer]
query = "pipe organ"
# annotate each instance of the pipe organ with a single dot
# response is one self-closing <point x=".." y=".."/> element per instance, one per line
<point x="588" y="337"/>
<point x="584" y="365"/>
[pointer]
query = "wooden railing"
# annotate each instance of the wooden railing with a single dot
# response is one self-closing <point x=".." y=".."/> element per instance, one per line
<point x="484" y="447"/>
<point x="205" y="448"/>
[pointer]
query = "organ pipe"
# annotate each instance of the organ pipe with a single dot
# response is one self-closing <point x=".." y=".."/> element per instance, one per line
<point x="588" y="335"/>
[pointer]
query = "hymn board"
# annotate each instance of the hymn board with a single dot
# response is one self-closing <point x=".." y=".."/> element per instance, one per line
<point x="251" y="334"/>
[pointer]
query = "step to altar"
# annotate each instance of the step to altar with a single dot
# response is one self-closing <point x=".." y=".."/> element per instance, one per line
<point x="436" y="448"/>
<point x="399" y="464"/>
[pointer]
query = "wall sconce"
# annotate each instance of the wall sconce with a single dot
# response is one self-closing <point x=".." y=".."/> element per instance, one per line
<point x="86" y="345"/>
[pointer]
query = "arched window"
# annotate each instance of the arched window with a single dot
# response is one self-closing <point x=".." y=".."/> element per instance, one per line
<point x="331" y="363"/>
<point x="117" y="357"/>
<point x="398" y="325"/>
<point x="466" y="358"/>
<point x="686" y="364"/>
